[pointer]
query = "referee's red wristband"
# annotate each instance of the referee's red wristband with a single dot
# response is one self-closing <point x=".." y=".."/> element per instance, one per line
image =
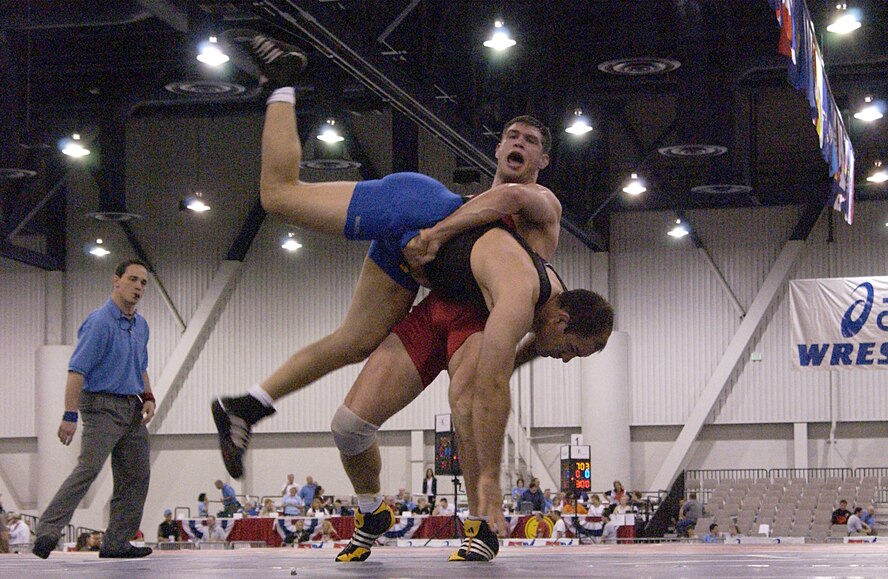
<point x="148" y="397"/>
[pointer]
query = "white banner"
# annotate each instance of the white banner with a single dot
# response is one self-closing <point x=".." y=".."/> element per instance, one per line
<point x="839" y="323"/>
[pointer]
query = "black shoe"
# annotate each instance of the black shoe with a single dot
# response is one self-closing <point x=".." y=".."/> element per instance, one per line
<point x="130" y="552"/>
<point x="280" y="63"/>
<point x="44" y="545"/>
<point x="367" y="529"/>
<point x="480" y="544"/>
<point x="234" y="418"/>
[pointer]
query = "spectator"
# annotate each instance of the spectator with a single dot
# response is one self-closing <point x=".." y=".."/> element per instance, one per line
<point x="230" y="504"/>
<point x="341" y="510"/>
<point x="618" y="492"/>
<point x="548" y="503"/>
<point x="712" y="536"/>
<point x="623" y="507"/>
<point x="534" y="495"/>
<point x="857" y="526"/>
<point x="268" y="509"/>
<point x="517" y="491"/>
<point x="734" y="532"/>
<point x="869" y="518"/>
<point x="308" y="491"/>
<point x="316" y="509"/>
<point x="299" y="534"/>
<point x="290" y="483"/>
<point x="405" y="501"/>
<point x="292" y="504"/>
<point x="4" y="532"/>
<point x="84" y="541"/>
<point x="19" y="531"/>
<point x="251" y="509"/>
<point x="559" y="530"/>
<point x="609" y="532"/>
<point x="542" y="528"/>
<point x="212" y="531"/>
<point x="688" y="515"/>
<point x="692" y="532"/>
<point x="430" y="485"/>
<point x="596" y="518"/>
<point x="327" y="532"/>
<point x="168" y="530"/>
<point x="443" y="509"/>
<point x="203" y="505"/>
<point x="572" y="506"/>
<point x="841" y="514"/>
<point x="422" y="507"/>
<point x="96" y="538"/>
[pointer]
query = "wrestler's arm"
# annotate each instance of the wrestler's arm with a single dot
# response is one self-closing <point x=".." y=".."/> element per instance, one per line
<point x="526" y="351"/>
<point x="534" y="203"/>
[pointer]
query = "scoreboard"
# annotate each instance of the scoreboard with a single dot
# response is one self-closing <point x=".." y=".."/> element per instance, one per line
<point x="576" y="469"/>
<point x="446" y="457"/>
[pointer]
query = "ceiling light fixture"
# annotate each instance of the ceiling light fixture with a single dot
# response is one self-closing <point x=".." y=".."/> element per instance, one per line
<point x="500" y="40"/>
<point x="580" y="125"/>
<point x="635" y="186"/>
<point x="97" y="249"/>
<point x="329" y="134"/>
<point x="194" y="203"/>
<point x="879" y="176"/>
<point x="680" y="230"/>
<point x="289" y="243"/>
<point x="211" y="54"/>
<point x="845" y="21"/>
<point x="73" y="147"/>
<point x="870" y="113"/>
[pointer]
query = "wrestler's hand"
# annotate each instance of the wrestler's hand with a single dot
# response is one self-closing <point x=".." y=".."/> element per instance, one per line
<point x="66" y="432"/>
<point x="148" y="408"/>
<point x="421" y="249"/>
<point x="491" y="504"/>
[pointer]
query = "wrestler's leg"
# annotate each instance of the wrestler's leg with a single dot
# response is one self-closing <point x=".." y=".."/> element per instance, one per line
<point x="318" y="206"/>
<point x="377" y="305"/>
<point x="388" y="382"/>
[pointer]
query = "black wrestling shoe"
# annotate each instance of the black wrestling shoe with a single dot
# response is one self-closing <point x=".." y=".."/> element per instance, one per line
<point x="280" y="63"/>
<point x="45" y="545"/>
<point x="234" y="418"/>
<point x="480" y="544"/>
<point x="128" y="552"/>
<point x="367" y="529"/>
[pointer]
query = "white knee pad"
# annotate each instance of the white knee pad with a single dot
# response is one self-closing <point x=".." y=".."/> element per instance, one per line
<point x="353" y="434"/>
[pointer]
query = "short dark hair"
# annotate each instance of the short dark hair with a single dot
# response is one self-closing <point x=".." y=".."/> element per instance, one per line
<point x="590" y="314"/>
<point x="121" y="267"/>
<point x="533" y="122"/>
<point x="713" y="526"/>
<point x="858" y="510"/>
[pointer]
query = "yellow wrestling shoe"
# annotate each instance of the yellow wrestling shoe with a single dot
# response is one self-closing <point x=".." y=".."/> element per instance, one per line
<point x="367" y="529"/>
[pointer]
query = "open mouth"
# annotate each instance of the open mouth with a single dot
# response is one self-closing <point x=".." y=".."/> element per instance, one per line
<point x="515" y="159"/>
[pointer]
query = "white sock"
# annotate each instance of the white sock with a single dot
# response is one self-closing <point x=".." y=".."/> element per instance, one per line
<point x="369" y="502"/>
<point x="261" y="395"/>
<point x="285" y="94"/>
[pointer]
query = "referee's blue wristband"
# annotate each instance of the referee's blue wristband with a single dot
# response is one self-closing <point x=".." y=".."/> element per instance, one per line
<point x="70" y="416"/>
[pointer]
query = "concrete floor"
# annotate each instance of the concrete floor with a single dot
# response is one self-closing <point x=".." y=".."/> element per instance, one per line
<point x="636" y="561"/>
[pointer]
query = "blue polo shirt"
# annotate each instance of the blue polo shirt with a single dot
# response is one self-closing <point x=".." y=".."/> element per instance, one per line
<point x="111" y="352"/>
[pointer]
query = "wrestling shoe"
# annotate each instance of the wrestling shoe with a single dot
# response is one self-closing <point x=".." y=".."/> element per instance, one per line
<point x="480" y="544"/>
<point x="234" y="418"/>
<point x="367" y="529"/>
<point x="44" y="545"/>
<point x="280" y="63"/>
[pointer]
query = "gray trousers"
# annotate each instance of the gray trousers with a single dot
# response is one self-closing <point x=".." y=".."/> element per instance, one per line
<point x="112" y="425"/>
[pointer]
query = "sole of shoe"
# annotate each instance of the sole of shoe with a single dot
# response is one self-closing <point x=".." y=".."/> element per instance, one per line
<point x="227" y="448"/>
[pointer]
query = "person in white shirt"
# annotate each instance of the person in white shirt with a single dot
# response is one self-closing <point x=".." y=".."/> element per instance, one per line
<point x="443" y="509"/>
<point x="855" y="525"/>
<point x="559" y="530"/>
<point x="596" y="515"/>
<point x="291" y="482"/>
<point x="19" y="532"/>
<point x="212" y="531"/>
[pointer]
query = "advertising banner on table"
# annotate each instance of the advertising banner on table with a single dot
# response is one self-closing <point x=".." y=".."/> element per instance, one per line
<point x="839" y="323"/>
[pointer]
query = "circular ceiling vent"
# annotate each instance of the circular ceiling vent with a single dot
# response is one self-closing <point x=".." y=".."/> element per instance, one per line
<point x="639" y="66"/>
<point x="115" y="216"/>
<point x="11" y="173"/>
<point x="698" y="151"/>
<point x="329" y="164"/>
<point x="205" y="88"/>
<point x="722" y="189"/>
